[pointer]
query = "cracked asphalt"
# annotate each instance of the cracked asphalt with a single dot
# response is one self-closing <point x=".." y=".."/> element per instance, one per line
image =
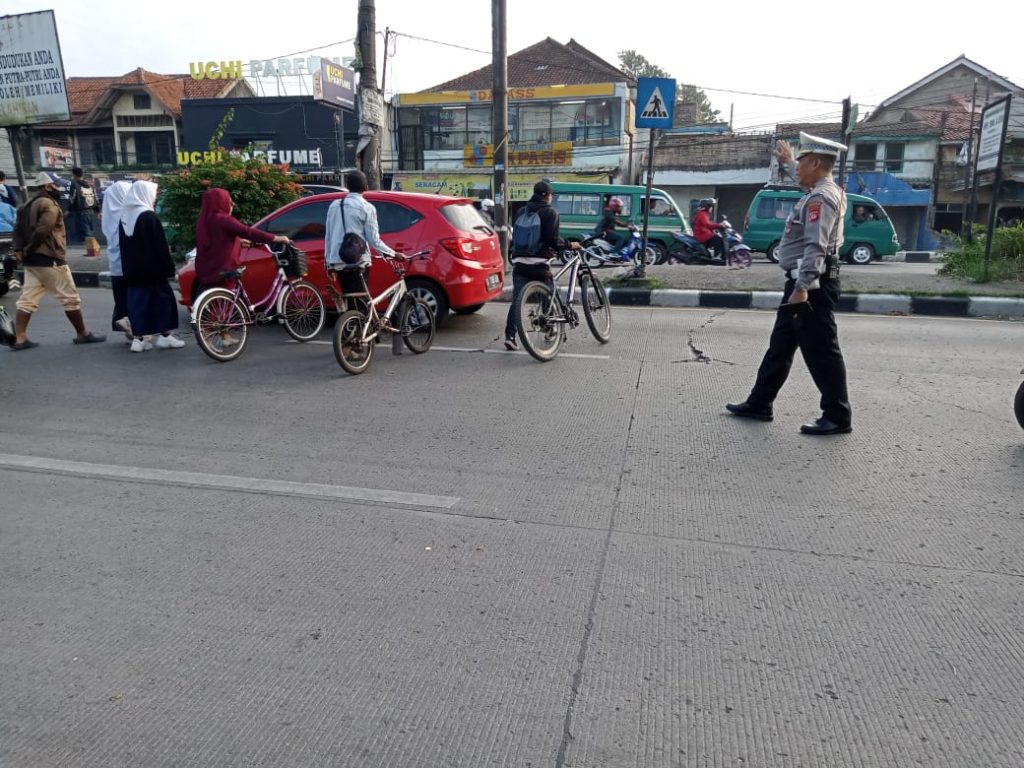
<point x="470" y="558"/>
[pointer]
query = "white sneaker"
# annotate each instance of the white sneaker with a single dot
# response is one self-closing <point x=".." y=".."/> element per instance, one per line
<point x="140" y="345"/>
<point x="169" y="342"/>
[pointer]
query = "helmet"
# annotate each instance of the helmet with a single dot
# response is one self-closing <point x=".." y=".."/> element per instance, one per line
<point x="486" y="204"/>
<point x="615" y="204"/>
<point x="707" y="202"/>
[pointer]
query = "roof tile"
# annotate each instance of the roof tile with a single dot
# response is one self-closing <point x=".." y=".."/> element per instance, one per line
<point x="548" y="62"/>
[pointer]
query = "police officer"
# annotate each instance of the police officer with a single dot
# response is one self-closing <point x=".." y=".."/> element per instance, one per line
<point x="805" y="319"/>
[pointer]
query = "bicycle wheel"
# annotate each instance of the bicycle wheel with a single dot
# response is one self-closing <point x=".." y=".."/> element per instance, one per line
<point x="416" y="318"/>
<point x="302" y="310"/>
<point x="535" y="315"/>
<point x="596" y="308"/>
<point x="352" y="353"/>
<point x="221" y="325"/>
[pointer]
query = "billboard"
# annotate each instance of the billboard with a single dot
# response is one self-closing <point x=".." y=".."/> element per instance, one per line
<point x="335" y="85"/>
<point x="993" y="135"/>
<point x="32" y="86"/>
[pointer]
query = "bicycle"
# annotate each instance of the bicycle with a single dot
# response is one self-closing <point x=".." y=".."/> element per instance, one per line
<point x="221" y="316"/>
<point x="541" y="315"/>
<point x="360" y="324"/>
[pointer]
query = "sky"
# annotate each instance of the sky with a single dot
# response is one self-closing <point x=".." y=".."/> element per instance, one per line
<point x="800" y="69"/>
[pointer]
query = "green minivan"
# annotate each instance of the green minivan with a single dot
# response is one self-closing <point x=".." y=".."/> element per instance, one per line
<point x="868" y="232"/>
<point x="580" y="207"/>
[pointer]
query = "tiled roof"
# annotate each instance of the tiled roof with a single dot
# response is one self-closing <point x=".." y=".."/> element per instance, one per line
<point x="85" y="94"/>
<point x="548" y="62"/>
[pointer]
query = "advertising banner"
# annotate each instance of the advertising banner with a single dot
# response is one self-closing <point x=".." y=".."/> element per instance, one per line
<point x="56" y="157"/>
<point x="335" y="85"/>
<point x="519" y="185"/>
<point x="32" y="86"/>
<point x="536" y="155"/>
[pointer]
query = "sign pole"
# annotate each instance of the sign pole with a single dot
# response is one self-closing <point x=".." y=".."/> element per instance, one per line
<point x="656" y="101"/>
<point x="641" y="269"/>
<point x="994" y="123"/>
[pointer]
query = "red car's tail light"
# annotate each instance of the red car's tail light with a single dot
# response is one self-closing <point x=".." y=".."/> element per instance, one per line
<point x="461" y="247"/>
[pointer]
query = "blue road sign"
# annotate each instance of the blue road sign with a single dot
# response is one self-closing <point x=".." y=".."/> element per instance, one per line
<point x="655" y="102"/>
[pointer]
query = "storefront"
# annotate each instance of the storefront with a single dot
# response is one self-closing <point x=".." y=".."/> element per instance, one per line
<point x="479" y="185"/>
<point x="314" y="138"/>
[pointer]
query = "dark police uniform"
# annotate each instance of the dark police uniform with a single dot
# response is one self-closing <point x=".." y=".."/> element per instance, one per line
<point x="808" y="255"/>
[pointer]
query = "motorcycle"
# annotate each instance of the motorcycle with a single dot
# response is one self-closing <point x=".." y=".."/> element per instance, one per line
<point x="689" y="250"/>
<point x="599" y="252"/>
<point x="1018" y="404"/>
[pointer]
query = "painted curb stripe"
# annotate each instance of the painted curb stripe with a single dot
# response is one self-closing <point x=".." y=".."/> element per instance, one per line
<point x="225" y="482"/>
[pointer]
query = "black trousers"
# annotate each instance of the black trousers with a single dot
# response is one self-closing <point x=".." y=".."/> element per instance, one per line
<point x="814" y="333"/>
<point x="521" y="275"/>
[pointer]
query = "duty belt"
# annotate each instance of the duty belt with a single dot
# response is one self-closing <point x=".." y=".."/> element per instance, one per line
<point x="831" y="271"/>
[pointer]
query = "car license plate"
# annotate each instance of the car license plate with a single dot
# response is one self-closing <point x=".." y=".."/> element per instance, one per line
<point x="492" y="282"/>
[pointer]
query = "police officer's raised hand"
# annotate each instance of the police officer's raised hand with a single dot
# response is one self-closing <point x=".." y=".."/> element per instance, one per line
<point x="783" y="152"/>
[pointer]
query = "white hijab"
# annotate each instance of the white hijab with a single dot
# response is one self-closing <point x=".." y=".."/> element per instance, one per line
<point x="113" y="202"/>
<point x="141" y="198"/>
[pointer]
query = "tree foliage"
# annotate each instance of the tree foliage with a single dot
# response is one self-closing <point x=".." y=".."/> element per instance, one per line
<point x="256" y="187"/>
<point x="636" y="66"/>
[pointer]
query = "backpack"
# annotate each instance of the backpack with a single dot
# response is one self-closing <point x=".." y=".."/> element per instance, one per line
<point x="526" y="234"/>
<point x="353" y="246"/>
<point x="87" y="196"/>
<point x="7" y="335"/>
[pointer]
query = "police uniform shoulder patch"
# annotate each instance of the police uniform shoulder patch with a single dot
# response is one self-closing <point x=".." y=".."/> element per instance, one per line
<point x="813" y="211"/>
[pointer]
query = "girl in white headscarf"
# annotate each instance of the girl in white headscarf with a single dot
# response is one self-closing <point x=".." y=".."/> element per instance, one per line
<point x="110" y="220"/>
<point x="147" y="265"/>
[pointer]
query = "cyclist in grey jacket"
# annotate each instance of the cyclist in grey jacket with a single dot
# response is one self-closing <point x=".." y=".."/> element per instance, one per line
<point x="359" y="217"/>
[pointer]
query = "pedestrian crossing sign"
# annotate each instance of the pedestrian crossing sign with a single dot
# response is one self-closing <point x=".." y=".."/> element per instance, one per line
<point x="655" y="102"/>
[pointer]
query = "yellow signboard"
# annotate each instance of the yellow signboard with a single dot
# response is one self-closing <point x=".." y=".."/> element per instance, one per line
<point x="538" y="155"/>
<point x="485" y="95"/>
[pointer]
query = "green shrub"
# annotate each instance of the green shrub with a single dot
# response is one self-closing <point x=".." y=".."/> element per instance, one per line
<point x="256" y="187"/>
<point x="1006" y="260"/>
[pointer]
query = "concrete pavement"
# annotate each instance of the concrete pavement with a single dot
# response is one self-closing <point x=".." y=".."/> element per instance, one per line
<point x="596" y="566"/>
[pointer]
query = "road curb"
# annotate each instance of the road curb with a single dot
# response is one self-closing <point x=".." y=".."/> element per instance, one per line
<point x="864" y="303"/>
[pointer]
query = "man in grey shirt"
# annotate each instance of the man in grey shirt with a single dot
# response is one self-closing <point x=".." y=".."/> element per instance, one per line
<point x="806" y="320"/>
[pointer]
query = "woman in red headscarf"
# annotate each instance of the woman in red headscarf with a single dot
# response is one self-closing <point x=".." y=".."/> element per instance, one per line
<point x="219" y="239"/>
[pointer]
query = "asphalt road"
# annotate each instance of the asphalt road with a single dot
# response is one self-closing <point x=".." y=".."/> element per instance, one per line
<point x="468" y="558"/>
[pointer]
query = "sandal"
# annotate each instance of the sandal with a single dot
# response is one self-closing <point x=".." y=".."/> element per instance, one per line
<point x="26" y="344"/>
<point x="90" y="338"/>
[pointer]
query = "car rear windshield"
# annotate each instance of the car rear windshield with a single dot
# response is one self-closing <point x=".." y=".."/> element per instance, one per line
<point x="465" y="218"/>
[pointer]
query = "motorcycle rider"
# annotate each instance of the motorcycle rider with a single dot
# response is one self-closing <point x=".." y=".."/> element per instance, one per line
<point x="605" y="228"/>
<point x="706" y="230"/>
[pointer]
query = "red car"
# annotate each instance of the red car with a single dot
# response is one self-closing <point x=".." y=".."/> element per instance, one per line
<point x="463" y="271"/>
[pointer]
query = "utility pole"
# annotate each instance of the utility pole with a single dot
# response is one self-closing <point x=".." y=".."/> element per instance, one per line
<point x="371" y="107"/>
<point x="972" y="207"/>
<point x="845" y="132"/>
<point x="499" y="121"/>
<point x="965" y="225"/>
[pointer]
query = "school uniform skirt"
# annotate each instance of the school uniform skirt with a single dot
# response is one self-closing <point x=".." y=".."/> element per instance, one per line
<point x="152" y="309"/>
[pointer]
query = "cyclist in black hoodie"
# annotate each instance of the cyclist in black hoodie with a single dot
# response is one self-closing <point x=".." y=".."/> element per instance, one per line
<point x="527" y="268"/>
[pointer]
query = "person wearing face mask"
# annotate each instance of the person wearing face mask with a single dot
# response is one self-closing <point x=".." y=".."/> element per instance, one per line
<point x="40" y="244"/>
